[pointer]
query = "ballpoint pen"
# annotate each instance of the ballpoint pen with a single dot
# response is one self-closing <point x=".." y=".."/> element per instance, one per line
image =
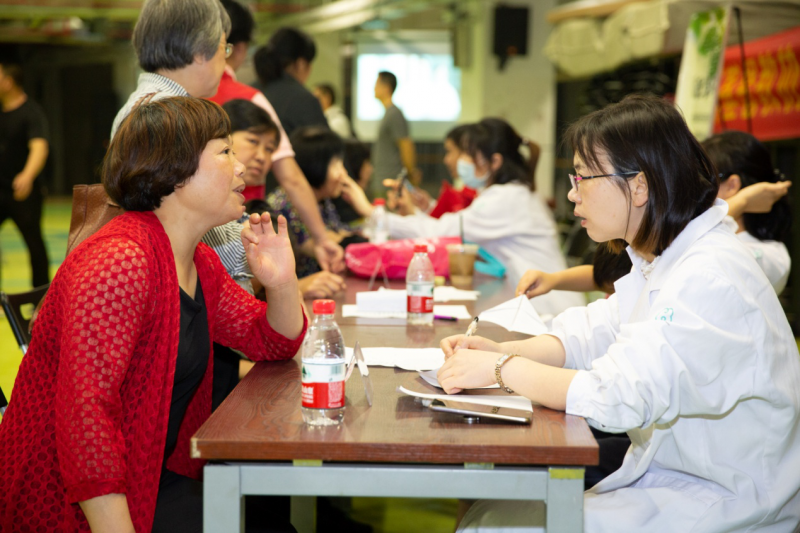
<point x="473" y="327"/>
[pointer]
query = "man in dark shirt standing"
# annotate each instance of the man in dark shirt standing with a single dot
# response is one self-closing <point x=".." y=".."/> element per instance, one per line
<point x="23" y="153"/>
<point x="393" y="150"/>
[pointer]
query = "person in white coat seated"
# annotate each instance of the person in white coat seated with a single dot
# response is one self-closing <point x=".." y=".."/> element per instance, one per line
<point x="507" y="219"/>
<point x="692" y="356"/>
<point x="742" y="160"/>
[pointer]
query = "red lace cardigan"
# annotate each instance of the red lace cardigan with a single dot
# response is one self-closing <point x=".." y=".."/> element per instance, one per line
<point x="88" y="414"/>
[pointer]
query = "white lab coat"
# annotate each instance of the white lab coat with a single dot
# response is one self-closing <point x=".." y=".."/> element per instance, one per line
<point x="698" y="364"/>
<point x="511" y="223"/>
<point x="771" y="256"/>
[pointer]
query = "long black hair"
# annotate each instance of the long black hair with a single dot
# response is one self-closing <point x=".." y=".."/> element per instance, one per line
<point x="286" y="46"/>
<point x="495" y="136"/>
<point x="737" y="152"/>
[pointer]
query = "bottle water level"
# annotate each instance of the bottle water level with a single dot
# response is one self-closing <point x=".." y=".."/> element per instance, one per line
<point x="420" y="319"/>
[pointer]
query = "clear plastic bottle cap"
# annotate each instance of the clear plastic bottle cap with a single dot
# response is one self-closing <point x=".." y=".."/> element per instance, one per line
<point x="324" y="307"/>
<point x="420" y="248"/>
<point x="379" y="201"/>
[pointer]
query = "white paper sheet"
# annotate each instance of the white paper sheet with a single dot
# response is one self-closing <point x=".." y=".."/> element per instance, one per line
<point x="448" y="293"/>
<point x="386" y="300"/>
<point x="510" y="402"/>
<point x="415" y="359"/>
<point x="516" y="315"/>
<point x="430" y="377"/>
<point x="457" y="311"/>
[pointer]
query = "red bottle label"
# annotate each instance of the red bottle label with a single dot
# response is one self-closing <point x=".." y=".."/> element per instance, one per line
<point x="420" y="304"/>
<point x="323" y="395"/>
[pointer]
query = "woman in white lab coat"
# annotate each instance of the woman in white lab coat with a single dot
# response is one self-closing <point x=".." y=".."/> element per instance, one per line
<point x="742" y="160"/>
<point x="508" y="219"/>
<point x="692" y="356"/>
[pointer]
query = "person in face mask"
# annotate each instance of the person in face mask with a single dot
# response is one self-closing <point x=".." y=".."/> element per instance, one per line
<point x="468" y="172"/>
<point x="508" y="219"/>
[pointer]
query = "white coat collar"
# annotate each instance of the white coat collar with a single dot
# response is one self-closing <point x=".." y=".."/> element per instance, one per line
<point x="695" y="229"/>
<point x="629" y="287"/>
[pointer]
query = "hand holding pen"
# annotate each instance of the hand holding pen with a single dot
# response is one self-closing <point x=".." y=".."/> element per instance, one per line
<point x="469" y="341"/>
<point x="473" y="327"/>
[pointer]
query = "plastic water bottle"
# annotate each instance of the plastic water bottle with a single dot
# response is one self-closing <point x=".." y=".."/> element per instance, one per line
<point x="323" y="368"/>
<point x="419" y="287"/>
<point x="379" y="223"/>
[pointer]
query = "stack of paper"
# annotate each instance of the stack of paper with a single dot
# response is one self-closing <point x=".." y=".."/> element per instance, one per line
<point x="414" y="359"/>
<point x="510" y="402"/>
<point x="381" y="301"/>
<point x="430" y="377"/>
<point x="394" y="301"/>
<point x="456" y="311"/>
<point x="447" y="293"/>
<point x="516" y="315"/>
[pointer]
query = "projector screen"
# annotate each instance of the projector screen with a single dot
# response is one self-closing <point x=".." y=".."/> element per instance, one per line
<point x="428" y="87"/>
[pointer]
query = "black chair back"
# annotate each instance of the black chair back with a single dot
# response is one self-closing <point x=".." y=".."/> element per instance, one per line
<point x="19" y="309"/>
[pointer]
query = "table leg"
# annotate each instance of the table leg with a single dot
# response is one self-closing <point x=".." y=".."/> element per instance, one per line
<point x="303" y="513"/>
<point x="223" y="504"/>
<point x="565" y="500"/>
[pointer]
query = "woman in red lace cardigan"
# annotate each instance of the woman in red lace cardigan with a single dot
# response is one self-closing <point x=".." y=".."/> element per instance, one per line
<point x="118" y="374"/>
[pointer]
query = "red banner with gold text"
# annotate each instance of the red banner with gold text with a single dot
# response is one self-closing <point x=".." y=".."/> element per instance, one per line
<point x="773" y="75"/>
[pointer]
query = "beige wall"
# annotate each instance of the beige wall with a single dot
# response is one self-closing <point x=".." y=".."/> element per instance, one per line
<point x="524" y="93"/>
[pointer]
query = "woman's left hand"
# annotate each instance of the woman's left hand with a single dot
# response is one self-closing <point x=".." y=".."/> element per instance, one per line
<point x="269" y="254"/>
<point x="467" y="369"/>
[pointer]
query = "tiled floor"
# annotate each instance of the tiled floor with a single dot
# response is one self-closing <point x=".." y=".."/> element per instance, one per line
<point x="385" y="515"/>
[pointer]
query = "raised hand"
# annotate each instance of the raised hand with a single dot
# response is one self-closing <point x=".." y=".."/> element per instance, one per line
<point x="269" y="254"/>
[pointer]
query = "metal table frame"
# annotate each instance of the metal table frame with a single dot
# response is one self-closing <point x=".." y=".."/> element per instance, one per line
<point x="561" y="488"/>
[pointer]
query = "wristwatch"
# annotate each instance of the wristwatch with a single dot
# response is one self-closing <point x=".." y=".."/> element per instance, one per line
<point x="500" y="362"/>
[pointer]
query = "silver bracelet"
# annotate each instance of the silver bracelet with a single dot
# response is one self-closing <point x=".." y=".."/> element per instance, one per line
<point x="500" y="362"/>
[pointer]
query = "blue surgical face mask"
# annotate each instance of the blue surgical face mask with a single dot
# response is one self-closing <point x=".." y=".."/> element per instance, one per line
<point x="466" y="171"/>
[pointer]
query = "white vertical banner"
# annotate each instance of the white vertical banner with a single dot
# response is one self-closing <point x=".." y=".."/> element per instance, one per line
<point x="701" y="68"/>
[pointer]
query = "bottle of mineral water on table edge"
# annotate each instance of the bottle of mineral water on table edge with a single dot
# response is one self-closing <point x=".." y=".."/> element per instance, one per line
<point x="323" y="362"/>
<point x="419" y="287"/>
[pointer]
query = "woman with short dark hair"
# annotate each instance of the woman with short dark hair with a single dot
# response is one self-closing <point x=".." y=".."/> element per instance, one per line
<point x="118" y="375"/>
<point x="692" y="356"/>
<point x="283" y="66"/>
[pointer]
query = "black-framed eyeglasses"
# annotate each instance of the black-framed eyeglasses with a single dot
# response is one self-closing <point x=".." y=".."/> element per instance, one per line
<point x="228" y="50"/>
<point x="575" y="179"/>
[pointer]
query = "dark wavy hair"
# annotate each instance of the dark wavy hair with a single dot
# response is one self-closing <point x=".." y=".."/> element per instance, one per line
<point x="286" y="46"/>
<point x="647" y="134"/>
<point x="495" y="136"/>
<point x="737" y="152"/>
<point x="314" y="149"/>
<point x="157" y="149"/>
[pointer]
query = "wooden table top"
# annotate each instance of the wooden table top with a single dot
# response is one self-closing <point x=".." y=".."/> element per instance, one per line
<point x="261" y="419"/>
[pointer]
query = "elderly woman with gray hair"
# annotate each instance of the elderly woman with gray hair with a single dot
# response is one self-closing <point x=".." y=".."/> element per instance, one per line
<point x="182" y="46"/>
